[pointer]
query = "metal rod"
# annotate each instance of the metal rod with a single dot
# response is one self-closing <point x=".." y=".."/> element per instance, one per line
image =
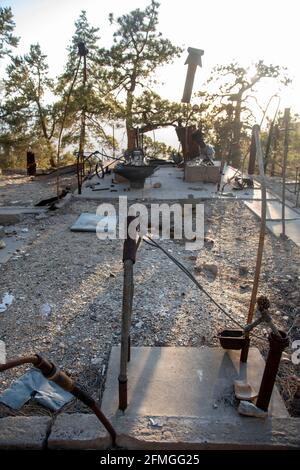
<point x="277" y="346"/>
<point x="129" y="254"/>
<point x="296" y="180"/>
<point x="255" y="130"/>
<point x="285" y="155"/>
<point x="53" y="373"/>
<point x="126" y="314"/>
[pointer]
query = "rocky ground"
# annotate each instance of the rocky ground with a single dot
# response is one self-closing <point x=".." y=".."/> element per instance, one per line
<point x="67" y="290"/>
<point x="21" y="190"/>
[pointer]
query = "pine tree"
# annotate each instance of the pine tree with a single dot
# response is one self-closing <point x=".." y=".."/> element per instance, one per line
<point x="138" y="50"/>
<point x="7" y="26"/>
<point x="24" y="109"/>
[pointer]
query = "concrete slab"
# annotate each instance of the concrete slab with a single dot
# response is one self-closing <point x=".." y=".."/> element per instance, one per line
<point x="182" y="398"/>
<point x="173" y="187"/>
<point x="274" y="210"/>
<point x="87" y="222"/>
<point x="20" y="432"/>
<point x="10" y="215"/>
<point x="78" y="431"/>
<point x="184" y="382"/>
<point x="292" y="229"/>
<point x="11" y="245"/>
<point x="21" y="210"/>
<point x="2" y="352"/>
<point x="208" y="434"/>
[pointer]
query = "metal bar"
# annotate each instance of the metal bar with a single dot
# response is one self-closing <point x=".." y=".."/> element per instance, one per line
<point x="129" y="255"/>
<point x="277" y="346"/>
<point x="298" y="193"/>
<point x="296" y="179"/>
<point x="255" y="130"/>
<point x="126" y="314"/>
<point x="285" y="155"/>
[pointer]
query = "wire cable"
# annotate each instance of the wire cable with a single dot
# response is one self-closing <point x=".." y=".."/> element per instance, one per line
<point x="154" y="244"/>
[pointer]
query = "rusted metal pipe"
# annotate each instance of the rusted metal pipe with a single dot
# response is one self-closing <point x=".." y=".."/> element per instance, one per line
<point x="277" y="346"/>
<point x="53" y="373"/>
<point x="255" y="130"/>
<point x="129" y="255"/>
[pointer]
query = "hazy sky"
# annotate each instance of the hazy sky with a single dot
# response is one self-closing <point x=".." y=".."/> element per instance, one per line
<point x="226" y="29"/>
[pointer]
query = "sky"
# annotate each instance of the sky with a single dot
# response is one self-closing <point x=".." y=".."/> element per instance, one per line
<point x="227" y="30"/>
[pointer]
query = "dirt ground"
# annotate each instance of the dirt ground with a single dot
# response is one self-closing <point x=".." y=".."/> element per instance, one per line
<point x="80" y="278"/>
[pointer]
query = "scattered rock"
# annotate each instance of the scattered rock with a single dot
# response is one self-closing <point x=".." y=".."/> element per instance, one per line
<point x="41" y="216"/>
<point x="211" y="269"/>
<point x="243" y="270"/>
<point x="156" y="185"/>
<point x="247" y="408"/>
<point x="285" y="357"/>
<point x="96" y="361"/>
<point x="7" y="300"/>
<point x="155" y="423"/>
<point x="45" y="310"/>
<point x="244" y="391"/>
<point x="245" y="287"/>
<point x="2" y="244"/>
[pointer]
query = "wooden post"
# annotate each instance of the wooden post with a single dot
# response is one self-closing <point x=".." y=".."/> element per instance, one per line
<point x="286" y="120"/>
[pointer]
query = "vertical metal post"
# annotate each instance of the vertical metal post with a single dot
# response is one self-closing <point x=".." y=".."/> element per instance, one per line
<point x="296" y="179"/>
<point x="255" y="130"/>
<point x="286" y="121"/>
<point x="129" y="255"/>
<point x="277" y="346"/>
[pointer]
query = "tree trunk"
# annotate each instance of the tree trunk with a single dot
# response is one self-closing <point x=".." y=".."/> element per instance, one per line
<point x="131" y="133"/>
<point x="237" y="127"/>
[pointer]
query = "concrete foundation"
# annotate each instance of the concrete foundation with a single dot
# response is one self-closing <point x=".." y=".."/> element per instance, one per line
<point x="172" y="187"/>
<point x="182" y="397"/>
<point x="24" y="432"/>
<point x="78" y="431"/>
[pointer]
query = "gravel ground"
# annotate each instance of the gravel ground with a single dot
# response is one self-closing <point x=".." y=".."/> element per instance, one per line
<point x="80" y="278"/>
<point x="23" y="190"/>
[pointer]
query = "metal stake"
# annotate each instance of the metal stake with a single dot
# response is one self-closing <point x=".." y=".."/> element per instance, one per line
<point x="285" y="154"/>
<point x="129" y="254"/>
<point x="255" y="130"/>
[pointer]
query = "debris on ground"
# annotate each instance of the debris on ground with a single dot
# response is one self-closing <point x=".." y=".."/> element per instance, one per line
<point x="2" y="352"/>
<point x="244" y="391"/>
<point x="34" y="385"/>
<point x="72" y="271"/>
<point x="7" y="300"/>
<point x="246" y="408"/>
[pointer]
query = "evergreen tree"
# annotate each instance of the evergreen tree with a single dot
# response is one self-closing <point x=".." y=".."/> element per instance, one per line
<point x="7" y="26"/>
<point x="138" y="50"/>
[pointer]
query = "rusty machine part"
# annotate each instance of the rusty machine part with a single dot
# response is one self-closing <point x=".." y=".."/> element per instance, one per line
<point x="51" y="372"/>
<point x="232" y="339"/>
<point x="278" y="342"/>
<point x="129" y="257"/>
